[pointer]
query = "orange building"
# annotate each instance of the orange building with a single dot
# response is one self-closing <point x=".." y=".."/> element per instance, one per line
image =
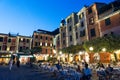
<point x="43" y="39"/>
<point x="109" y="18"/>
<point x="92" y="20"/>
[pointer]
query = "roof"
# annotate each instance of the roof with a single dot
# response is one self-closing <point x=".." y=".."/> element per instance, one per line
<point x="113" y="5"/>
<point x="56" y="31"/>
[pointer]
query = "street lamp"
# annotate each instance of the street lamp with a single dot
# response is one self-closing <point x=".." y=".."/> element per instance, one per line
<point x="60" y="52"/>
<point x="104" y="49"/>
<point x="91" y="48"/>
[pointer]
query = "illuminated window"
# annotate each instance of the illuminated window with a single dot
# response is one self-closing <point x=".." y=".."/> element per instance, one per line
<point x="51" y="44"/>
<point x="45" y="44"/>
<point x="91" y="20"/>
<point x="41" y="44"/>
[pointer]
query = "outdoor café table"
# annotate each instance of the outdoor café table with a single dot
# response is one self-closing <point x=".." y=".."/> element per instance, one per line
<point x="116" y="74"/>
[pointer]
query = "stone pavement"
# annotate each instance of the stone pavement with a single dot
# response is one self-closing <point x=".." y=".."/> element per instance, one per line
<point x="24" y="73"/>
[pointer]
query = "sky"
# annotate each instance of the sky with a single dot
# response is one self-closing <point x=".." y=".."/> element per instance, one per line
<point x="26" y="16"/>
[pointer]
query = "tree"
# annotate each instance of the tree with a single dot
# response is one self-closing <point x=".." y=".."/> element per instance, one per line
<point x="35" y="50"/>
<point x="73" y="49"/>
<point x="110" y="42"/>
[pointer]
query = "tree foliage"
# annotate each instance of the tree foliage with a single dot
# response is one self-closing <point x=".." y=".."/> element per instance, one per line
<point x="73" y="49"/>
<point x="33" y="50"/>
<point x="110" y="42"/>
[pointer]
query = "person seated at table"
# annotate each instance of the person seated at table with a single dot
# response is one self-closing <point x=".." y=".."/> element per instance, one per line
<point x="101" y="73"/>
<point x="59" y="66"/>
<point x="78" y="69"/>
<point x="87" y="73"/>
<point x="109" y="70"/>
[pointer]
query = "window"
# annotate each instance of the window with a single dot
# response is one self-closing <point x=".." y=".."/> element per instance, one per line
<point x="70" y="38"/>
<point x="40" y="37"/>
<point x="9" y="40"/>
<point x="76" y="35"/>
<point x="46" y="50"/>
<point x="91" y="20"/>
<point x="40" y="43"/>
<point x="36" y="36"/>
<point x="27" y="47"/>
<point x="107" y="21"/>
<point x="51" y="44"/>
<point x="4" y="47"/>
<point x="46" y="38"/>
<point x="12" y="48"/>
<point x="69" y="20"/>
<point x="51" y="39"/>
<point x="1" y="39"/>
<point x="90" y="10"/>
<point x="92" y="32"/>
<point x="35" y="43"/>
<point x="63" y="42"/>
<point x="20" y="49"/>
<point x="45" y="44"/>
<point x="70" y="28"/>
<point x="82" y="33"/>
<point x="63" y="35"/>
<point x="0" y="47"/>
<point x="82" y="24"/>
<point x="24" y="40"/>
<point x="58" y="38"/>
<point x="76" y="28"/>
<point x="81" y="15"/>
<point x="28" y="40"/>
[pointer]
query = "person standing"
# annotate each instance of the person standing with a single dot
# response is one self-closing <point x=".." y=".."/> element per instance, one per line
<point x="18" y="63"/>
<point x="10" y="64"/>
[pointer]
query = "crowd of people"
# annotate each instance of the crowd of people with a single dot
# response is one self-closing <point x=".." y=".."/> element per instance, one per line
<point x="86" y="71"/>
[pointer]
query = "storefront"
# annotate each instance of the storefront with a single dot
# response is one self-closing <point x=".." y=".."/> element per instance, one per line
<point x="4" y="58"/>
<point x="24" y="58"/>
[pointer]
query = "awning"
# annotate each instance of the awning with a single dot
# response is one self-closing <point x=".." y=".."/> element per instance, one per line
<point x="26" y="55"/>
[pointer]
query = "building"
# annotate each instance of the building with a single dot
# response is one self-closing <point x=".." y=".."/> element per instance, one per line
<point x="43" y="39"/>
<point x="92" y="20"/>
<point x="71" y="21"/>
<point x="81" y="27"/>
<point x="109" y="18"/>
<point x="10" y="44"/>
<point x="23" y="44"/>
<point x="62" y="38"/>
